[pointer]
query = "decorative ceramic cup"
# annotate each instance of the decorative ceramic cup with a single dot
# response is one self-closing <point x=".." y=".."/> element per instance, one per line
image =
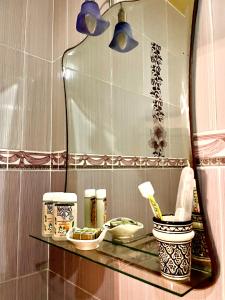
<point x="200" y="251"/>
<point x="175" y="240"/>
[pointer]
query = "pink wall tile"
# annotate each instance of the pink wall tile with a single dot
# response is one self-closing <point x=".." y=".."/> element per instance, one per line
<point x="8" y="290"/>
<point x="72" y="292"/>
<point x="218" y="16"/>
<point x="204" y="110"/>
<point x="57" y="260"/>
<point x="9" y="208"/>
<point x="11" y="97"/>
<point x="12" y="23"/>
<point x="39" y="28"/>
<point x="33" y="287"/>
<point x="58" y="109"/>
<point x="56" y="287"/>
<point x="219" y="48"/>
<point x="91" y="277"/>
<point x="33" y="186"/>
<point x="59" y="289"/>
<point x="58" y="181"/>
<point x="37" y="105"/>
<point x="59" y="28"/>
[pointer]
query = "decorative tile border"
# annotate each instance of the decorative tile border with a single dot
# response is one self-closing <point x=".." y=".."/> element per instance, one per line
<point x="88" y="161"/>
<point x="158" y="133"/>
<point x="211" y="162"/>
<point x="209" y="148"/>
<point x="57" y="160"/>
<point x="16" y="159"/>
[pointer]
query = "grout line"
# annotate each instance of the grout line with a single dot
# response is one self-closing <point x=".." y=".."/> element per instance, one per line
<point x="71" y="283"/>
<point x="24" y="52"/>
<point x="51" y="100"/>
<point x="53" y="23"/>
<point x="22" y="143"/>
<point x="58" y="58"/>
<point x="47" y="283"/>
<point x="23" y="276"/>
<point x="113" y="85"/>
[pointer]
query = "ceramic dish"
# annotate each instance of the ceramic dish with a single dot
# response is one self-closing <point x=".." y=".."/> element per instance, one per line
<point x="85" y="244"/>
<point x="124" y="231"/>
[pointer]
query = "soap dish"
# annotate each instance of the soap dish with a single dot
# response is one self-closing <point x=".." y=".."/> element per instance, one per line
<point x="85" y="244"/>
<point x="123" y="232"/>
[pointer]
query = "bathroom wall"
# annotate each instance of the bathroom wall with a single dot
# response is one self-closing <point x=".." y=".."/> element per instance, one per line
<point x="72" y="277"/>
<point x="26" y="36"/>
<point x="33" y="35"/>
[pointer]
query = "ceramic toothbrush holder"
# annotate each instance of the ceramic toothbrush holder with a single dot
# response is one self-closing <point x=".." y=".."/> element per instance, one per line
<point x="175" y="239"/>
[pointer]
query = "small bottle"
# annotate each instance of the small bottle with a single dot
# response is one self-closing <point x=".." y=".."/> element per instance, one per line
<point x="65" y="215"/>
<point x="47" y="213"/>
<point x="90" y="216"/>
<point x="101" y="207"/>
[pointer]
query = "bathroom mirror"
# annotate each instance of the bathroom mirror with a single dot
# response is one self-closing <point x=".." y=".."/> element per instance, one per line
<point x="128" y="113"/>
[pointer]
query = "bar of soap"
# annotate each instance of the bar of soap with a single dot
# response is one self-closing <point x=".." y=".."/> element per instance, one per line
<point x="86" y="233"/>
<point x="122" y="221"/>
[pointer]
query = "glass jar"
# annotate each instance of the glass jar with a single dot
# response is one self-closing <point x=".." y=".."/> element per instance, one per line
<point x="90" y="216"/>
<point x="65" y="215"/>
<point x="47" y="213"/>
<point x="101" y="207"/>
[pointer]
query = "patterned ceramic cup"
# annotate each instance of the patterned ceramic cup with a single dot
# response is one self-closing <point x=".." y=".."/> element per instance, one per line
<point x="200" y="251"/>
<point x="175" y="240"/>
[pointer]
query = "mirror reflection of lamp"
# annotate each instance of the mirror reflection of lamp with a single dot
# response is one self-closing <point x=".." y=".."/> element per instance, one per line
<point x="123" y="40"/>
<point x="89" y="20"/>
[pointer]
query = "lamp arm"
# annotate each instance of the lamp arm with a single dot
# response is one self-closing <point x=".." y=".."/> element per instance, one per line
<point x="111" y="2"/>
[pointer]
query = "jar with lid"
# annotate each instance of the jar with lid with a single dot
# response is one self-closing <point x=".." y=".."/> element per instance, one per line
<point x="101" y="207"/>
<point x="47" y="213"/>
<point x="65" y="215"/>
<point x="90" y="216"/>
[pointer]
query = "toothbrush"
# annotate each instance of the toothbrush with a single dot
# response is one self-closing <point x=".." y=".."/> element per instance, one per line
<point x="185" y="195"/>
<point x="147" y="191"/>
<point x="196" y="207"/>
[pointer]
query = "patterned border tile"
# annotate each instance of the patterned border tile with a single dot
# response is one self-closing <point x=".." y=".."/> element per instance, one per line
<point x="209" y="145"/>
<point x="112" y="161"/>
<point x="17" y="159"/>
<point x="211" y="162"/>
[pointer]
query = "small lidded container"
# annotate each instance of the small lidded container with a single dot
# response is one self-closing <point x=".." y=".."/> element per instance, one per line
<point x="65" y="215"/>
<point x="90" y="211"/>
<point x="101" y="207"/>
<point x="47" y="213"/>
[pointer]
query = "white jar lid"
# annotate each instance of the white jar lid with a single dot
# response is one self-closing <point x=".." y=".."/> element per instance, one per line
<point x="52" y="197"/>
<point x="67" y="198"/>
<point x="101" y="194"/>
<point x="89" y="193"/>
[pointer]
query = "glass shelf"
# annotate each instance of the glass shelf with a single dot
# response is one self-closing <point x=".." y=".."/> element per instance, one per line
<point x="138" y="259"/>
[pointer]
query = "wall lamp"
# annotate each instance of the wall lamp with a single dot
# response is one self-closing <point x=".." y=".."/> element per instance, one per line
<point x="90" y="22"/>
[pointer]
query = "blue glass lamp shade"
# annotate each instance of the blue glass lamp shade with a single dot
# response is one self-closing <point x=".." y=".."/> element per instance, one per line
<point x="89" y="20"/>
<point x="123" y="40"/>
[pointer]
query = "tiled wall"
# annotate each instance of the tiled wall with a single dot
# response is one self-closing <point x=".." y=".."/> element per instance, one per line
<point x="26" y="35"/>
<point x="30" y="74"/>
<point x="71" y="276"/>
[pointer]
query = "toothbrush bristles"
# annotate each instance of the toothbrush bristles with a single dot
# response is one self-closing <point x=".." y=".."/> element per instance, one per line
<point x="146" y="189"/>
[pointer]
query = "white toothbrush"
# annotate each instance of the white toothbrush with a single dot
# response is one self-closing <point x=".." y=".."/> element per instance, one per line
<point x="147" y="191"/>
<point x="184" y="202"/>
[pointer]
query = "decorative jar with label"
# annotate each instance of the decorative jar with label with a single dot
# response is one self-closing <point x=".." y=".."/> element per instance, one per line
<point x="65" y="215"/>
